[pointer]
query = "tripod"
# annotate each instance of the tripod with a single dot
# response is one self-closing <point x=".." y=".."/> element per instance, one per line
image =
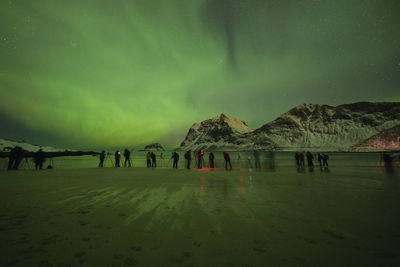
<point x="25" y="163"/>
<point x="109" y="158"/>
<point x="51" y="163"/>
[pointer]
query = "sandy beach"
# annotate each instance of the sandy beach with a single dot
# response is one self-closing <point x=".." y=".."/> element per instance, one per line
<point x="137" y="216"/>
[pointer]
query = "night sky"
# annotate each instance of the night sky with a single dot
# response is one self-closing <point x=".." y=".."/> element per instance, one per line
<point x="92" y="74"/>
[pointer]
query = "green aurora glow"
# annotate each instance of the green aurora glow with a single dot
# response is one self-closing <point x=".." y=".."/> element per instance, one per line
<point x="126" y="73"/>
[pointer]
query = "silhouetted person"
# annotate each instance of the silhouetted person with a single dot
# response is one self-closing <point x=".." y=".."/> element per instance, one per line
<point x="39" y="159"/>
<point x="387" y="159"/>
<point x="301" y="159"/>
<point x="310" y="158"/>
<point x="325" y="158"/>
<point x="102" y="157"/>
<point x="127" y="155"/>
<point x="188" y="157"/>
<point x="320" y="159"/>
<point x="117" y="158"/>
<point x="200" y="158"/>
<point x="211" y="159"/>
<point x="11" y="158"/>
<point x="175" y="157"/>
<point x="257" y="159"/>
<point x="153" y="160"/>
<point x="148" y="159"/>
<point x="297" y="158"/>
<point x="195" y="153"/>
<point x="227" y="161"/>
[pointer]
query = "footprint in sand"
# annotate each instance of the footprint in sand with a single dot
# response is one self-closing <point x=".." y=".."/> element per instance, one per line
<point x="185" y="256"/>
<point x="197" y="244"/>
<point x="130" y="261"/>
<point x="81" y="256"/>
<point x="260" y="250"/>
<point x="49" y="240"/>
<point x="118" y="256"/>
<point x="83" y="212"/>
<point x="136" y="248"/>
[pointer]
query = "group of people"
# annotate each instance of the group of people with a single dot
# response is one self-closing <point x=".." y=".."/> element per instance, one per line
<point x="199" y="156"/>
<point x="322" y="159"/>
<point x="117" y="156"/>
<point x="17" y="154"/>
<point x="151" y="160"/>
<point x="15" y="158"/>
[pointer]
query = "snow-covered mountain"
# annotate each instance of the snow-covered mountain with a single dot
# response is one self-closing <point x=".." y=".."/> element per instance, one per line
<point x="323" y="127"/>
<point x="7" y="145"/>
<point x="386" y="140"/>
<point x="307" y="126"/>
<point x="221" y="132"/>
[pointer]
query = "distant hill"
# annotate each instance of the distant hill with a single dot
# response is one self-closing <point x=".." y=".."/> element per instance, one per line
<point x="307" y="126"/>
<point x="154" y="146"/>
<point x="7" y="145"/>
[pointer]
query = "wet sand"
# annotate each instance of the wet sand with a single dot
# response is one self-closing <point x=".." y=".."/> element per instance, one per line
<point x="126" y="217"/>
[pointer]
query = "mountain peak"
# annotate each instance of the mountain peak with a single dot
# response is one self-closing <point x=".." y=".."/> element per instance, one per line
<point x="216" y="132"/>
<point x="236" y="124"/>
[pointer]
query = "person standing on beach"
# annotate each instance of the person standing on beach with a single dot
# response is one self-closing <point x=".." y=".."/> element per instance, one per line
<point x="301" y="159"/>
<point x="200" y="159"/>
<point x="325" y="160"/>
<point x="153" y="160"/>
<point x="227" y="161"/>
<point x="320" y="159"/>
<point x="11" y="158"/>
<point x="211" y="160"/>
<point x="175" y="157"/>
<point x="148" y="159"/>
<point x="127" y="155"/>
<point x="117" y="158"/>
<point x="102" y="157"/>
<point x="188" y="157"/>
<point x="39" y="159"/>
<point x="310" y="158"/>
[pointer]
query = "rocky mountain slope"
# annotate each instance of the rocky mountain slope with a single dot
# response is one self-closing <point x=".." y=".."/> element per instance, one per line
<point x="221" y="132"/>
<point x="386" y="140"/>
<point x="323" y="127"/>
<point x="307" y="126"/>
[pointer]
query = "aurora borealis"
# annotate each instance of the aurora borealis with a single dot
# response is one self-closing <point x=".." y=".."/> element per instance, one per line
<point x="83" y="74"/>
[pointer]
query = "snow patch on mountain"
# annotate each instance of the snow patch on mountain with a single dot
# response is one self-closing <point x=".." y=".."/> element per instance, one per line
<point x="307" y="126"/>
<point x="323" y="127"/>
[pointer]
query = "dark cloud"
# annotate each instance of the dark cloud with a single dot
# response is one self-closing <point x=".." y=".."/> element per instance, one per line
<point x="15" y="130"/>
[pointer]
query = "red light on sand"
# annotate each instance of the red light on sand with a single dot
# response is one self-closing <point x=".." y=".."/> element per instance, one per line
<point x="204" y="169"/>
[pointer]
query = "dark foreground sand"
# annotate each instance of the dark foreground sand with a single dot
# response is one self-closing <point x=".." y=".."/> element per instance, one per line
<point x="118" y="217"/>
